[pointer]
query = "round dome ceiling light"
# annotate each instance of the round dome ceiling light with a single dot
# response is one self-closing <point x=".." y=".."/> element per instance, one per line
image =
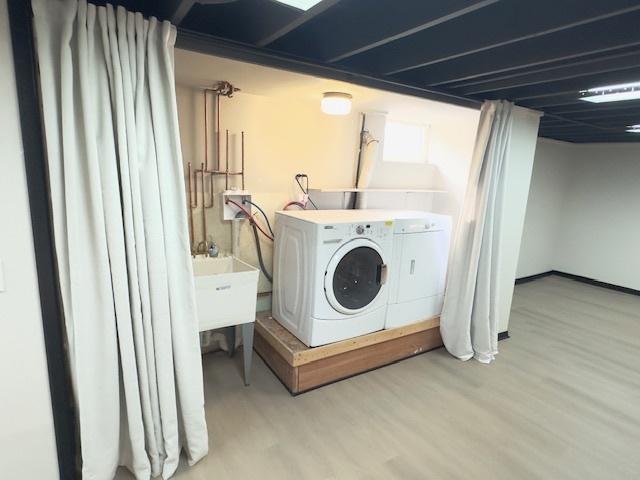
<point x="336" y="103"/>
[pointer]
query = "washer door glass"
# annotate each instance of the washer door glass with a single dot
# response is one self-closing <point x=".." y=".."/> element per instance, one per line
<point x="357" y="278"/>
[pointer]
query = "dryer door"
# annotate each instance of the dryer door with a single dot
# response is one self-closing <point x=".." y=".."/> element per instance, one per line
<point x="355" y="276"/>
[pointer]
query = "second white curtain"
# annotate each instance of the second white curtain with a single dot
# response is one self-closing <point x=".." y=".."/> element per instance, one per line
<point x="469" y="320"/>
<point x="120" y="226"/>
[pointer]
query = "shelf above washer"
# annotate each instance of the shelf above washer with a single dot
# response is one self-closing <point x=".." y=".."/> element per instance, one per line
<point x="375" y="190"/>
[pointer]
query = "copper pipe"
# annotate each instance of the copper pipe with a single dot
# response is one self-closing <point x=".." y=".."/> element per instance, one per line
<point x="242" y="160"/>
<point x="210" y="205"/>
<point x="218" y="130"/>
<point x="206" y="134"/>
<point x="204" y="217"/>
<point x="206" y="155"/>
<point x="226" y="177"/>
<point x="190" y="201"/>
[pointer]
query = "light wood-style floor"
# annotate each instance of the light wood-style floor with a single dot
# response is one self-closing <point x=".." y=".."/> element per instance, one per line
<point x="562" y="401"/>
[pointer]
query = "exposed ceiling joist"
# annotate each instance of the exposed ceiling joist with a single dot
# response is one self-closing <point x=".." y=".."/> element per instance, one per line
<point x="587" y="107"/>
<point x="551" y="68"/>
<point x="398" y="23"/>
<point x="576" y="122"/>
<point x="176" y="10"/>
<point x="609" y="138"/>
<point x="539" y="54"/>
<point x="478" y="32"/>
<point x="571" y="86"/>
<point x="611" y="34"/>
<point x="571" y="71"/>
<point x="313" y="12"/>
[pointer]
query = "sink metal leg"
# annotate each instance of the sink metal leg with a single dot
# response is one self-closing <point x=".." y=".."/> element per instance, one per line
<point x="230" y="336"/>
<point x="247" y="349"/>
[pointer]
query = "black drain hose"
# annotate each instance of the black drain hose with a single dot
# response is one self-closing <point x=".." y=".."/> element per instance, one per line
<point x="259" y="250"/>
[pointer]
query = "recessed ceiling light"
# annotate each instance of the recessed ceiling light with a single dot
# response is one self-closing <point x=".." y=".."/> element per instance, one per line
<point x="301" y="4"/>
<point x="633" y="128"/>
<point x="612" y="93"/>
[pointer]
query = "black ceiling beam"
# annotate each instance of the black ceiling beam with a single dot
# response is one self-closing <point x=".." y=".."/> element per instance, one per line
<point x="567" y="127"/>
<point x="610" y="34"/>
<point x="498" y="25"/>
<point x="585" y="134"/>
<point x="549" y="67"/>
<point x="579" y="69"/>
<point x="558" y="102"/>
<point x="405" y="21"/>
<point x="576" y="122"/>
<point x="176" y="10"/>
<point x="591" y="135"/>
<point x="297" y="22"/>
<point x="610" y="138"/>
<point x="608" y="115"/>
<point x="179" y="9"/>
<point x="587" y="107"/>
<point x="551" y="122"/>
<point x="210" y="45"/>
<point x="566" y="87"/>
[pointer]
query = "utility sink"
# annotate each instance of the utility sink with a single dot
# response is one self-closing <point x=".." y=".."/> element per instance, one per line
<point x="226" y="292"/>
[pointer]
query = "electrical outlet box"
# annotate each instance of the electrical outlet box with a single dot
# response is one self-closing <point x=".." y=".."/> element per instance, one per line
<point x="232" y="200"/>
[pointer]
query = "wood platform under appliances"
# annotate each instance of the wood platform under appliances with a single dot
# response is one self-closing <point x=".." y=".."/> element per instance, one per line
<point x="301" y="368"/>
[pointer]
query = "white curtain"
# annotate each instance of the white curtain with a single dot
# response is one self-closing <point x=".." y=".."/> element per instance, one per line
<point x="469" y="320"/>
<point x="122" y="245"/>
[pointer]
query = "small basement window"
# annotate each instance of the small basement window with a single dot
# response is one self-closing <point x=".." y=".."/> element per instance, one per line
<point x="404" y="142"/>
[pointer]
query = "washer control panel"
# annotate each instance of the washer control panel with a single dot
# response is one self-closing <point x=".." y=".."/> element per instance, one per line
<point x="371" y="230"/>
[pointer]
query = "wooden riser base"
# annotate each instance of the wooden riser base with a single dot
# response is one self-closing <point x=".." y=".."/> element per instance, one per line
<point x="301" y="368"/>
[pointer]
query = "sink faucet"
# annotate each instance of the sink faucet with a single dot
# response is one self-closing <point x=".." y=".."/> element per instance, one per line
<point x="208" y="248"/>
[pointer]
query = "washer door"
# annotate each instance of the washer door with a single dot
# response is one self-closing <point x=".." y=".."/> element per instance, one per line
<point x="355" y="276"/>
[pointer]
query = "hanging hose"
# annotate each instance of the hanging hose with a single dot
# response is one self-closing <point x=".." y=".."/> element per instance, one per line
<point x="259" y="250"/>
<point x="297" y="204"/>
<point x="266" y="219"/>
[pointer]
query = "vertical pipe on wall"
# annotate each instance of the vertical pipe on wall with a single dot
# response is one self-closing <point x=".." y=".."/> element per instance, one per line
<point x="204" y="216"/>
<point x="226" y="170"/>
<point x="190" y="206"/>
<point x="206" y="134"/>
<point x="242" y="159"/>
<point x="218" y="131"/>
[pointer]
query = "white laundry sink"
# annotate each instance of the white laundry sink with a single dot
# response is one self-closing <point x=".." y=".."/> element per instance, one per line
<point x="226" y="292"/>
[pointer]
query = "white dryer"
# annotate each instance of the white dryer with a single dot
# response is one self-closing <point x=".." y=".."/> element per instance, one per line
<point x="330" y="272"/>
<point x="418" y="267"/>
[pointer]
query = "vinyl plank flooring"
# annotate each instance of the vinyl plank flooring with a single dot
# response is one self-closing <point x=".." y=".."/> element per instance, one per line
<point x="562" y="401"/>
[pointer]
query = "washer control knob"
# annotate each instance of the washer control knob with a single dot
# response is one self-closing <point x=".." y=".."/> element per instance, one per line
<point x="359" y="229"/>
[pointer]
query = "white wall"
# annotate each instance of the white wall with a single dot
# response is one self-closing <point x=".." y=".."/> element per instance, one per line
<point x="286" y="133"/>
<point x="549" y="184"/>
<point x="518" y="167"/>
<point x="27" y="442"/>
<point x="591" y="227"/>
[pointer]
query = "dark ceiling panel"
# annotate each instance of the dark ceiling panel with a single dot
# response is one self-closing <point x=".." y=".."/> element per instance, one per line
<point x="582" y="107"/>
<point x="594" y="137"/>
<point x="317" y="10"/>
<point x="566" y="87"/>
<point x="497" y="25"/>
<point x="357" y="26"/>
<point x="550" y="67"/>
<point x="538" y="53"/>
<point x="246" y="21"/>
<point x="609" y="34"/>
<point x="614" y="63"/>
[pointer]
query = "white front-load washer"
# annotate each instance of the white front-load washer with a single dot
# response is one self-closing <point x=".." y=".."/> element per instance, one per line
<point x="418" y="268"/>
<point x="330" y="272"/>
